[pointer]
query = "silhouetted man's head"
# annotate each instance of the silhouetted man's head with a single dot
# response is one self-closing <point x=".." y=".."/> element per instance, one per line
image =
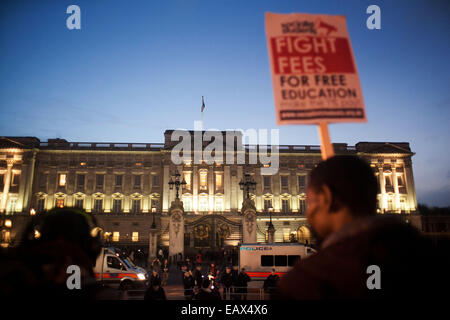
<point x="340" y="189"/>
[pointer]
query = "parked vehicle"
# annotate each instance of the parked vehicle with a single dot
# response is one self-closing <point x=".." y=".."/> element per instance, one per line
<point x="259" y="259"/>
<point x="111" y="269"/>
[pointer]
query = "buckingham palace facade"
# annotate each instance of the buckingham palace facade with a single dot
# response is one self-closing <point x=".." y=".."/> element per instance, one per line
<point x="126" y="186"/>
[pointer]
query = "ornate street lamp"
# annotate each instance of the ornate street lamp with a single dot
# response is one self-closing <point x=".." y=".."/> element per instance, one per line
<point x="176" y="183"/>
<point x="247" y="184"/>
<point x="271" y="228"/>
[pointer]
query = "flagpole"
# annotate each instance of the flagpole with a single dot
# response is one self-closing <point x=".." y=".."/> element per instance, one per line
<point x="202" y="121"/>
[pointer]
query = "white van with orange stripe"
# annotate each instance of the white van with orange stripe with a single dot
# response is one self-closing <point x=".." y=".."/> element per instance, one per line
<point x="259" y="259"/>
<point x="112" y="270"/>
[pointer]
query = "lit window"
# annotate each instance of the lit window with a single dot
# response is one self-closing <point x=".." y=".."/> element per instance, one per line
<point x="6" y="236"/>
<point x="219" y="204"/>
<point x="187" y="178"/>
<point x="116" y="236"/>
<point x="218" y="181"/>
<point x="60" y="203"/>
<point x="203" y="180"/>
<point x="203" y="203"/>
<point x="62" y="179"/>
<point x="8" y="223"/>
<point x="187" y="203"/>
<point x="135" y="236"/>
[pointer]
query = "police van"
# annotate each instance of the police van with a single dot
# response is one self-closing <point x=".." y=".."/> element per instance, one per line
<point x="259" y="259"/>
<point x="113" y="270"/>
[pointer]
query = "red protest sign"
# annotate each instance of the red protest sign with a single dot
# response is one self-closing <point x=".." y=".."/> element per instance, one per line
<point x="313" y="69"/>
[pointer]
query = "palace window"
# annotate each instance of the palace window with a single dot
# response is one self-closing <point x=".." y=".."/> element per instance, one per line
<point x="187" y="203"/>
<point x="136" y="206"/>
<point x="98" y="205"/>
<point x="301" y="182"/>
<point x="79" y="203"/>
<point x="62" y="179"/>
<point x="15" y="179"/>
<point x="187" y="178"/>
<point x="302" y="206"/>
<point x="155" y="181"/>
<point x="40" y="205"/>
<point x="116" y="236"/>
<point x="219" y="204"/>
<point x="135" y="236"/>
<point x="218" y="181"/>
<point x="203" y="203"/>
<point x="285" y="205"/>
<point x="203" y="180"/>
<point x="2" y="181"/>
<point x="99" y="180"/>
<point x="266" y="182"/>
<point x="60" y="203"/>
<point x="80" y="180"/>
<point x="267" y="204"/>
<point x="155" y="203"/>
<point x="117" y="205"/>
<point x="400" y="181"/>
<point x="119" y="179"/>
<point x="284" y="182"/>
<point x="43" y="180"/>
<point x="137" y="181"/>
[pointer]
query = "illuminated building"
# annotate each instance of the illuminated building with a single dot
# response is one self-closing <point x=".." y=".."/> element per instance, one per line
<point x="125" y="185"/>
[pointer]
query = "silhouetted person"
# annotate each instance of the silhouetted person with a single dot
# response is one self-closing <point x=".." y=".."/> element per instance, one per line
<point x="227" y="282"/>
<point x="207" y="292"/>
<point x="155" y="278"/>
<point x="342" y="196"/>
<point x="198" y="277"/>
<point x="52" y="242"/>
<point x="242" y="283"/>
<point x="188" y="283"/>
<point x="271" y="283"/>
<point x="155" y="292"/>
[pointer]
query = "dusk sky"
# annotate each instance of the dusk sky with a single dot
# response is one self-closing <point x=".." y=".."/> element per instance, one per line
<point x="137" y="68"/>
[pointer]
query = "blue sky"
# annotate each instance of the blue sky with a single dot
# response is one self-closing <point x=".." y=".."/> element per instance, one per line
<point x="137" y="68"/>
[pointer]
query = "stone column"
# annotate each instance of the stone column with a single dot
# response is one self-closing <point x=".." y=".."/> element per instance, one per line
<point x="383" y="205"/>
<point x="227" y="188"/>
<point x="4" y="200"/>
<point x="396" y="192"/>
<point x="152" y="244"/>
<point x="410" y="189"/>
<point x="271" y="236"/>
<point x="176" y="228"/>
<point x="165" y="179"/>
<point x="248" y="221"/>
<point x="29" y="188"/>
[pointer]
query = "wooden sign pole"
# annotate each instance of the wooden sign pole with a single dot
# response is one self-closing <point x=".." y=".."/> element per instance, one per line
<point x="325" y="143"/>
